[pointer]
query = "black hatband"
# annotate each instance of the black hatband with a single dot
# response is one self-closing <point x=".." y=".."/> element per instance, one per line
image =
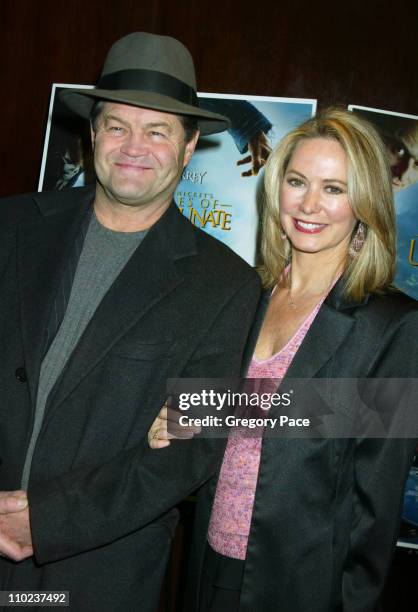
<point x="149" y="80"/>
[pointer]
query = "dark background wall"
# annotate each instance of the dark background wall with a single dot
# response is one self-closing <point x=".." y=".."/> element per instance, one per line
<point x="339" y="52"/>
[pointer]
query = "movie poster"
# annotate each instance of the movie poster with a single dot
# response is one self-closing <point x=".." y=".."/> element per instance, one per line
<point x="221" y="187"/>
<point x="400" y="135"/>
<point x="408" y="536"/>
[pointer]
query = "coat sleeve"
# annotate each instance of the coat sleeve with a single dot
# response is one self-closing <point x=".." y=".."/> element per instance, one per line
<point x="85" y="509"/>
<point x="381" y="467"/>
<point x="380" y="471"/>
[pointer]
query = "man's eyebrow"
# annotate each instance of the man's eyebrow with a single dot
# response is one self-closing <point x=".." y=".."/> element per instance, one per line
<point x="151" y="124"/>
<point x="164" y="124"/>
<point x="107" y="117"/>
<point x="327" y="180"/>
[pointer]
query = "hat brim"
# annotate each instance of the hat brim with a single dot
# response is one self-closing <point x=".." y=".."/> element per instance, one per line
<point x="81" y="101"/>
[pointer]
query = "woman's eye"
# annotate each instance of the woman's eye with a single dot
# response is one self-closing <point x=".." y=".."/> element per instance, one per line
<point x="333" y="189"/>
<point x="294" y="182"/>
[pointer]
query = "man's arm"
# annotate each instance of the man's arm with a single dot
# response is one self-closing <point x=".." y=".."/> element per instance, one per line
<point x="88" y="508"/>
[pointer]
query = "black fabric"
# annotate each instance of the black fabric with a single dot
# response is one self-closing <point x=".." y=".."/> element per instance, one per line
<point x="326" y="511"/>
<point x="149" y="80"/>
<point x="66" y="281"/>
<point x="101" y="501"/>
<point x="221" y="582"/>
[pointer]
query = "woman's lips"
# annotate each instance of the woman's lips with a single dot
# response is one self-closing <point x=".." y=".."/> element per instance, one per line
<point x="308" y="227"/>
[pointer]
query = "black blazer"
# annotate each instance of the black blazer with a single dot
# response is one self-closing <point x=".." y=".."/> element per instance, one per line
<point x="326" y="512"/>
<point x="98" y="496"/>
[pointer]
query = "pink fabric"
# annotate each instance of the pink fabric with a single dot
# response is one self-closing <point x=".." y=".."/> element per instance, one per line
<point x="230" y="520"/>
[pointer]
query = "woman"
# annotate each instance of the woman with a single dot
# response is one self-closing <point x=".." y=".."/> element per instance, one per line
<point x="310" y="525"/>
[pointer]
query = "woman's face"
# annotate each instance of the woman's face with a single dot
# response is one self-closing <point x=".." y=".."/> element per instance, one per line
<point x="314" y="210"/>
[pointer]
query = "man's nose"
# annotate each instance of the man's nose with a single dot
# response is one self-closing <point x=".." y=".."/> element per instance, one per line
<point x="134" y="144"/>
<point x="311" y="201"/>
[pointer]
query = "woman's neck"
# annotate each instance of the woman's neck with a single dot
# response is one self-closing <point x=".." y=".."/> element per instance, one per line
<point x="313" y="274"/>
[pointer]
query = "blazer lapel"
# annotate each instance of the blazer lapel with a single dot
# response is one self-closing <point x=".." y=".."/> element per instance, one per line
<point x="329" y="329"/>
<point x="150" y="275"/>
<point x="325" y="335"/>
<point x="42" y="250"/>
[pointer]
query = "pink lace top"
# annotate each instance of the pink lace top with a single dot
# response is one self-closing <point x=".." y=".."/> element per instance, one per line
<point x="230" y="520"/>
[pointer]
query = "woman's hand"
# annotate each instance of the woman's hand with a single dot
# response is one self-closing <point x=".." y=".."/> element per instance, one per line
<point x="166" y="427"/>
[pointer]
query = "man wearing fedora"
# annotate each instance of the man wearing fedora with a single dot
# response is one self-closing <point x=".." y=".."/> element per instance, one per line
<point x="106" y="293"/>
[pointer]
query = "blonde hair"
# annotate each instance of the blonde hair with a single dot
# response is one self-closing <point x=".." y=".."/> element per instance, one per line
<point x="370" y="196"/>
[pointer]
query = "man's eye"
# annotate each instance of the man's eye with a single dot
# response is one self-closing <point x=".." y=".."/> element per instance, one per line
<point x="157" y="133"/>
<point x="116" y="129"/>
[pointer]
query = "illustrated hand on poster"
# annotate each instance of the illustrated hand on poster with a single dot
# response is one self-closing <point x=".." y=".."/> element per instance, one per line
<point x="259" y="150"/>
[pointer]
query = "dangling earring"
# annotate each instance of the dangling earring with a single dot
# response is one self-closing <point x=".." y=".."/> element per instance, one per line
<point x="357" y="241"/>
<point x="283" y="236"/>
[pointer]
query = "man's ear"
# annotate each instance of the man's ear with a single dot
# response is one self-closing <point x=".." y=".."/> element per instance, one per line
<point x="190" y="147"/>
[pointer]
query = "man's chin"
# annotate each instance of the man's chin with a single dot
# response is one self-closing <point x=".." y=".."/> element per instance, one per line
<point x="128" y="197"/>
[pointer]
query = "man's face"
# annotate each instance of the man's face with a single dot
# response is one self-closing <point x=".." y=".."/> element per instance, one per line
<point x="139" y="154"/>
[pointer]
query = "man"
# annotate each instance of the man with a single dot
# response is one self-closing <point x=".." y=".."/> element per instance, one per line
<point x="105" y="294"/>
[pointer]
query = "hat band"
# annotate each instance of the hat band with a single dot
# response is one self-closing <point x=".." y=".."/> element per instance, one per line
<point x="149" y="80"/>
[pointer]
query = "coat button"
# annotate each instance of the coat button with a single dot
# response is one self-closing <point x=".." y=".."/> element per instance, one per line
<point x="21" y="374"/>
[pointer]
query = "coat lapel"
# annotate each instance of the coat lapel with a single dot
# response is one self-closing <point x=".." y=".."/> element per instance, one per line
<point x="150" y="275"/>
<point x="327" y="332"/>
<point x="43" y="247"/>
<point x="329" y="329"/>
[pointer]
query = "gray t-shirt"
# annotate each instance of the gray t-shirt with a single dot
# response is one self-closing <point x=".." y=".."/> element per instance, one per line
<point x="104" y="255"/>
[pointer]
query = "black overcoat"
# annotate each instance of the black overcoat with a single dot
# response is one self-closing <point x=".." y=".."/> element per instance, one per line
<point x="326" y="511"/>
<point x="100" y="500"/>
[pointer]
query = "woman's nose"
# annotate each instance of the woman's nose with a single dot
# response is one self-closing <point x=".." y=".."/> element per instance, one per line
<point x="311" y="201"/>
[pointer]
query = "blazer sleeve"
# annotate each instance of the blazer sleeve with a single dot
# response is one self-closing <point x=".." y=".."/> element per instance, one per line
<point x="381" y="467"/>
<point x="85" y="509"/>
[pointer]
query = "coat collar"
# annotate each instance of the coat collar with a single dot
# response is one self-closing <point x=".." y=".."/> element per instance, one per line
<point x="52" y="203"/>
<point x="43" y="247"/>
<point x="337" y="300"/>
<point x="150" y="274"/>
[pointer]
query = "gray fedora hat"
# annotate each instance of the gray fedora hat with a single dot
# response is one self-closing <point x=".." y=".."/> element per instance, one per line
<point x="149" y="71"/>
